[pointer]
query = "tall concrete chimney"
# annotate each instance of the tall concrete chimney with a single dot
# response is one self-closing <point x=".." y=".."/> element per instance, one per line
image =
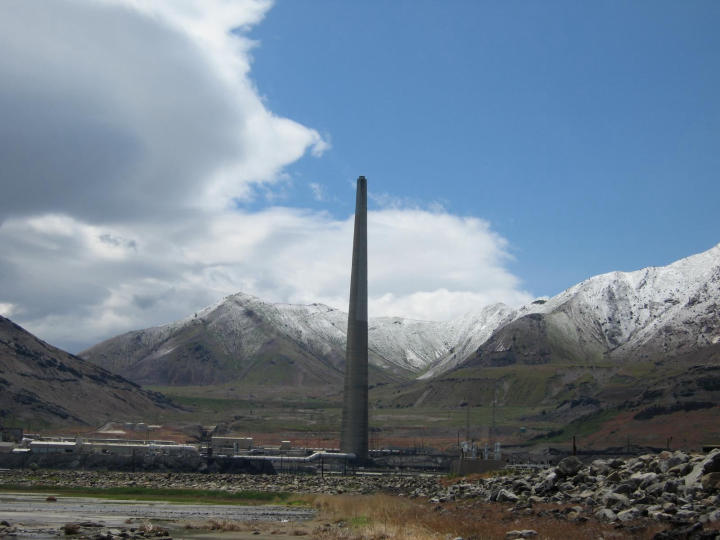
<point x="354" y="430"/>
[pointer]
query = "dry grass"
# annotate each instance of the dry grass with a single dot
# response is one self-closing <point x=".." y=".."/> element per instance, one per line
<point x="253" y="528"/>
<point x="371" y="516"/>
<point x="217" y="525"/>
<point x="376" y="517"/>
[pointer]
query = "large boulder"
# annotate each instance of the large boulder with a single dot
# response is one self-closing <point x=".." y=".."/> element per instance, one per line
<point x="605" y="514"/>
<point x="599" y="466"/>
<point x="629" y="514"/>
<point x="506" y="496"/>
<point x="569" y="466"/>
<point x="615" y="500"/>
<point x="644" y="479"/>
<point x="547" y="484"/>
<point x="711" y="481"/>
<point x="710" y="464"/>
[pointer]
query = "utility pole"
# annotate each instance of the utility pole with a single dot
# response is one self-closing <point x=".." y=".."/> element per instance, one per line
<point x="494" y="403"/>
<point x="467" y="420"/>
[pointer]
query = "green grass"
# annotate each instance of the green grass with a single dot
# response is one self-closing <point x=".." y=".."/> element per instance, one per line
<point x="210" y="404"/>
<point x="581" y="427"/>
<point x="359" y="521"/>
<point x="522" y="391"/>
<point x="181" y="496"/>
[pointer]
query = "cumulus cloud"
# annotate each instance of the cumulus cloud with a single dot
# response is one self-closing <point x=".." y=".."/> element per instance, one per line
<point x="130" y="131"/>
<point x="102" y="280"/>
<point x="131" y="109"/>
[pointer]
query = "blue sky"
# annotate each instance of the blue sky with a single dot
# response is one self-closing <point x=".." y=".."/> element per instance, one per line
<point x="158" y="156"/>
<point x="588" y="134"/>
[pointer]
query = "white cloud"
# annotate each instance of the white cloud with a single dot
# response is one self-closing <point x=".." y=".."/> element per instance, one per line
<point x="133" y="108"/>
<point x="421" y="264"/>
<point x="129" y="130"/>
<point x="6" y="309"/>
<point x="317" y="191"/>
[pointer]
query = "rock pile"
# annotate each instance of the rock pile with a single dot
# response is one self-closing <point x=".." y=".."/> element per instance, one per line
<point x="97" y="531"/>
<point x="419" y="486"/>
<point x="674" y="487"/>
<point x="665" y="486"/>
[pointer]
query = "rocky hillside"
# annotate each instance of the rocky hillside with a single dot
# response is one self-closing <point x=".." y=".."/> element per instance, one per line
<point x="45" y="385"/>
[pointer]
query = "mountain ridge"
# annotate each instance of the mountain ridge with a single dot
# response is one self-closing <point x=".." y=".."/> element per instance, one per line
<point x="41" y="383"/>
<point x="670" y="310"/>
<point x="666" y="310"/>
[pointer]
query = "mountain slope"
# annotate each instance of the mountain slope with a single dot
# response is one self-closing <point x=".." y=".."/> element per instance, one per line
<point x="42" y="384"/>
<point x="650" y="314"/>
<point x="657" y="312"/>
<point x="243" y="338"/>
<point x="649" y="338"/>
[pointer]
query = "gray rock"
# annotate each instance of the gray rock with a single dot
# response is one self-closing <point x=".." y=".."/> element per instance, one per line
<point x="686" y="515"/>
<point x="679" y="457"/>
<point x="713" y="515"/>
<point x="547" y="484"/>
<point x="569" y="466"/>
<point x="711" y="463"/>
<point x="525" y="533"/>
<point x="656" y="489"/>
<point x="616" y="500"/>
<point x="659" y="516"/>
<point x="711" y="481"/>
<point x="605" y="514"/>
<point x="566" y="487"/>
<point x="681" y="469"/>
<point x="599" y="466"/>
<point x="629" y="514"/>
<point x="506" y="496"/>
<point x="520" y="485"/>
<point x="624" y="487"/>
<point x="644" y="479"/>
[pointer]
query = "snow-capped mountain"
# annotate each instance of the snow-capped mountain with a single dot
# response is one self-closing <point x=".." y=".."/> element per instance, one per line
<point x="665" y="310"/>
<point x="670" y="308"/>
<point x="466" y="334"/>
<point x="233" y="334"/>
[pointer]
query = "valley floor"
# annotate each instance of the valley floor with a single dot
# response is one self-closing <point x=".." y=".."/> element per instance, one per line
<point x="390" y="506"/>
<point x="328" y="517"/>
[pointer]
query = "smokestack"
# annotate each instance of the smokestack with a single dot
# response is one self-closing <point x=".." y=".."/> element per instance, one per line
<point x="354" y="430"/>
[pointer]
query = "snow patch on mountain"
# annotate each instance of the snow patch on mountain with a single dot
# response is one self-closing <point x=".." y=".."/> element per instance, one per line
<point x="671" y="308"/>
<point x="627" y="311"/>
